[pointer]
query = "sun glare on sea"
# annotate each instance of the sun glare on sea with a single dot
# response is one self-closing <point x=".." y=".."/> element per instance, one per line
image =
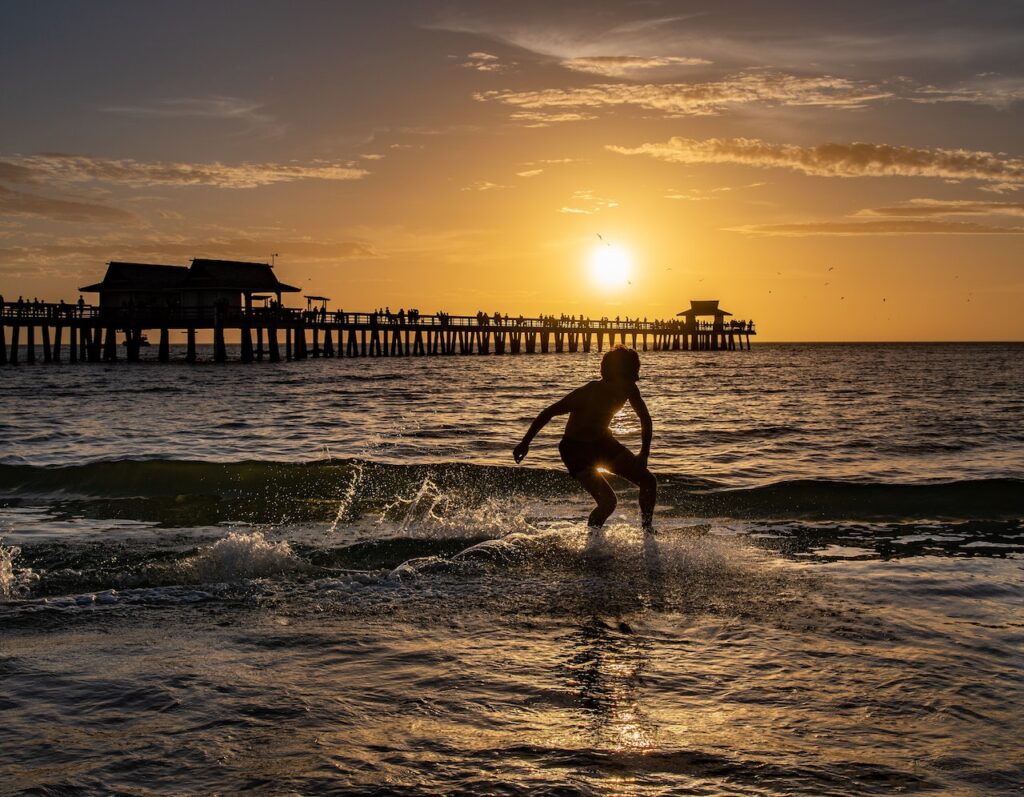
<point x="610" y="266"/>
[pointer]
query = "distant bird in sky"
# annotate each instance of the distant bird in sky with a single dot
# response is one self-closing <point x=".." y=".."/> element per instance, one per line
<point x="831" y="267"/>
<point x="883" y="299"/>
<point x="827" y="284"/>
<point x="842" y="297"/>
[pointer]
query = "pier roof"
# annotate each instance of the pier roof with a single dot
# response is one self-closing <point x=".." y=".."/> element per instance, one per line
<point x="123" y="276"/>
<point x="704" y="307"/>
<point x="236" y="275"/>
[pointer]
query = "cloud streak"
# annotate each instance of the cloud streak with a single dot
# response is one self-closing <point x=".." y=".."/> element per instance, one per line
<point x="627" y="65"/>
<point x="924" y="208"/>
<point x="888" y="227"/>
<point x="220" y="108"/>
<point x="19" y="203"/>
<point x="60" y="168"/>
<point x="696" y="99"/>
<point x="838" y="160"/>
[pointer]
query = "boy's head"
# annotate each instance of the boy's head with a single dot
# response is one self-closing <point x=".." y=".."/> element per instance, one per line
<point x="620" y="365"/>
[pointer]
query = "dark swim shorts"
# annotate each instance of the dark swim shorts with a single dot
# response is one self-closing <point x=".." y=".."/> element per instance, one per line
<point x="586" y="455"/>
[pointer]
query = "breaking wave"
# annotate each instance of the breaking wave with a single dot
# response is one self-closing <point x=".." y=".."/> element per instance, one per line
<point x="189" y="493"/>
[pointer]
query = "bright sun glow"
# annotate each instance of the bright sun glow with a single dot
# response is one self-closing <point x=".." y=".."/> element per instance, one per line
<point x="610" y="265"/>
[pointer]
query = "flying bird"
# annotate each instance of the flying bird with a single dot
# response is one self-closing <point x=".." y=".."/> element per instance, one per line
<point x="830" y="268"/>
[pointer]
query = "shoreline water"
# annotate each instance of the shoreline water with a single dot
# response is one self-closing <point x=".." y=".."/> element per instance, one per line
<point x="332" y="579"/>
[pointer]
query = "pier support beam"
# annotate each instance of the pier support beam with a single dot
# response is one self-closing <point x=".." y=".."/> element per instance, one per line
<point x="15" y="331"/>
<point x="220" y="350"/>
<point x="275" y="352"/>
<point x="30" y="352"/>
<point x="246" y="342"/>
<point x="110" y="345"/>
<point x="259" y="343"/>
<point x="190" y="347"/>
<point x="3" y="346"/>
<point x="47" y="349"/>
<point x="72" y="344"/>
<point x="164" y="354"/>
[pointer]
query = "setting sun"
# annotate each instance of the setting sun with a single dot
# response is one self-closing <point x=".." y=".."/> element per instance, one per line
<point x="610" y="266"/>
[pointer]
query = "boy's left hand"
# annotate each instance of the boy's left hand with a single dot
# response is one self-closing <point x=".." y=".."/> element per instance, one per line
<point x="520" y="451"/>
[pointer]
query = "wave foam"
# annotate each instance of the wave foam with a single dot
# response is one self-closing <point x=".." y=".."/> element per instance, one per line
<point x="240" y="556"/>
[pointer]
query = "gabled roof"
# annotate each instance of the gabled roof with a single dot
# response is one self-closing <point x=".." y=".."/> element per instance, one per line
<point x="235" y="275"/>
<point x="701" y="307"/>
<point x="122" y="276"/>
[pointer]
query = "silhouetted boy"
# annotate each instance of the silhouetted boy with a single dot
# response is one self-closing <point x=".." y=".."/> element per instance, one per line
<point x="588" y="444"/>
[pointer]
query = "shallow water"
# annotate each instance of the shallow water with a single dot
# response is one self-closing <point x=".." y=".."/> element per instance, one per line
<point x="327" y="576"/>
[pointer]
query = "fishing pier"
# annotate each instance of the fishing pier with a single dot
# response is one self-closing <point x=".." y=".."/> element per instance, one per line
<point x="137" y="300"/>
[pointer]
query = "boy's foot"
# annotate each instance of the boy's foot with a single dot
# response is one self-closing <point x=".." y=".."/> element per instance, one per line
<point x="649" y="529"/>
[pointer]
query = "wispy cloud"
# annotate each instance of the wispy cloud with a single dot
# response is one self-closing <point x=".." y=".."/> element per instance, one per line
<point x="889" y="227"/>
<point x="250" y="115"/>
<point x="543" y="119"/>
<point x="485" y="62"/>
<point x="65" y="255"/>
<point x="627" y="65"/>
<point x="923" y="208"/>
<point x="530" y="173"/>
<point x="59" y="168"/>
<point x="697" y="99"/>
<point x="838" y="160"/>
<point x="19" y="203"/>
<point x="586" y="203"/>
<point x="700" y="195"/>
<point x="482" y="185"/>
<point x="997" y="91"/>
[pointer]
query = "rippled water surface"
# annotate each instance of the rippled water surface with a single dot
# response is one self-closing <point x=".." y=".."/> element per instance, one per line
<point x="328" y="577"/>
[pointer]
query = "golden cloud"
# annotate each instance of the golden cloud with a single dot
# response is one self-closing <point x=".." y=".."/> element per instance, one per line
<point x="837" y="160"/>
<point x="917" y="208"/>
<point x="83" y="168"/>
<point x="697" y="99"/>
<point x="626" y="65"/>
<point x="893" y="227"/>
<point x="18" y="203"/>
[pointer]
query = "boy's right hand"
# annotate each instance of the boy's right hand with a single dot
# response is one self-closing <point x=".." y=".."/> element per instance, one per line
<point x="520" y="451"/>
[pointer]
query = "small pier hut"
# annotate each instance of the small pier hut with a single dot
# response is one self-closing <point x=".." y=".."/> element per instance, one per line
<point x="226" y="283"/>
<point x="141" y="285"/>
<point x="716" y="333"/>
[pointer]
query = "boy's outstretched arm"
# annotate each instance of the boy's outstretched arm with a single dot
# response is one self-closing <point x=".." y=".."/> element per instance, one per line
<point x="558" y="408"/>
<point x="636" y="401"/>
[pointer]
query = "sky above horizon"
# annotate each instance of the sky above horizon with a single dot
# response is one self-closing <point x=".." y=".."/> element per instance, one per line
<point x="847" y="172"/>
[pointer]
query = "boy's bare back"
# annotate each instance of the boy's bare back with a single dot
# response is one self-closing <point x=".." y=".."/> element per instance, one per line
<point x="592" y="407"/>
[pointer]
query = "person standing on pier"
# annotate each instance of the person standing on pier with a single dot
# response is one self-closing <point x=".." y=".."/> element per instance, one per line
<point x="588" y="446"/>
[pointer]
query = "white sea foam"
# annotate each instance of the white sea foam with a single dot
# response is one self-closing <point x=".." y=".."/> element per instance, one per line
<point x="240" y="556"/>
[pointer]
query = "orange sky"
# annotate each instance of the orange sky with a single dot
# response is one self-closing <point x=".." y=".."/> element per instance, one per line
<point x="832" y="174"/>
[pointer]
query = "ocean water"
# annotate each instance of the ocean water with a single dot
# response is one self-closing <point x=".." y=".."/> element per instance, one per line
<point x="329" y="577"/>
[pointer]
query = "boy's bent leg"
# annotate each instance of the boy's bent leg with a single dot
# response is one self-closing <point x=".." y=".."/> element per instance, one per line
<point x="602" y="492"/>
<point x="628" y="466"/>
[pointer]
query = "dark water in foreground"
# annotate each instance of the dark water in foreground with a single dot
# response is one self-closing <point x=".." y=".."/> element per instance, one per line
<point x="327" y="577"/>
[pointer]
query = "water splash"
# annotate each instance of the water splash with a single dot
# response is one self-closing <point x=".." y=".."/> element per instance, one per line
<point x="348" y="498"/>
<point x="240" y="556"/>
<point x="15" y="583"/>
<point x="433" y="512"/>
